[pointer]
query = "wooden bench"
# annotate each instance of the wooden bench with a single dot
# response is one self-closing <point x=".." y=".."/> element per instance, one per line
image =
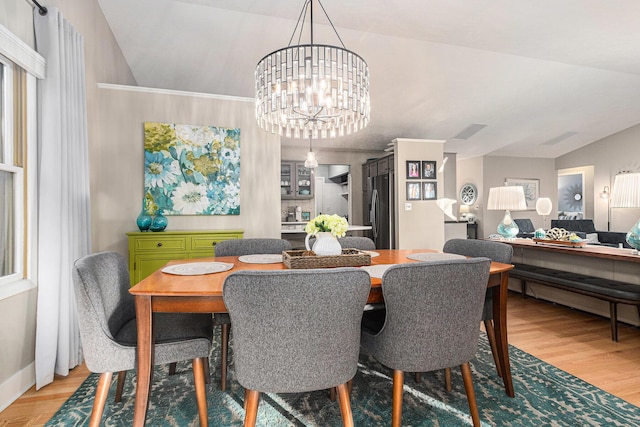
<point x="613" y="291"/>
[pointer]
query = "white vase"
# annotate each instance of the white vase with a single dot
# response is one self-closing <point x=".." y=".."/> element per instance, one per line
<point x="326" y="244"/>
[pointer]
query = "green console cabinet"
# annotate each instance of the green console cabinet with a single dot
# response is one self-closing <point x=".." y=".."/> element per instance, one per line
<point x="149" y="251"/>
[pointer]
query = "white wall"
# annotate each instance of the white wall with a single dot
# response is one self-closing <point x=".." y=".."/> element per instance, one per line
<point x="119" y="178"/>
<point x="609" y="156"/>
<point x="422" y="227"/>
<point x="496" y="169"/>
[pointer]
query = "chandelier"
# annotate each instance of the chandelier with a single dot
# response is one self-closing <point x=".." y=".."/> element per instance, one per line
<point x="312" y="90"/>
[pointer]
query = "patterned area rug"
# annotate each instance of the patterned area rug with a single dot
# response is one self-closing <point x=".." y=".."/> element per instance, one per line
<point x="545" y="396"/>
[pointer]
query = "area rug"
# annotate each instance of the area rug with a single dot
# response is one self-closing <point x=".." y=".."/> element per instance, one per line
<point x="545" y="396"/>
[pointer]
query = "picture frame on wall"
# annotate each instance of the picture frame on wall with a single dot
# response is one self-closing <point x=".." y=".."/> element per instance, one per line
<point x="531" y="189"/>
<point x="413" y="169"/>
<point x="429" y="169"/>
<point x="430" y="190"/>
<point x="413" y="191"/>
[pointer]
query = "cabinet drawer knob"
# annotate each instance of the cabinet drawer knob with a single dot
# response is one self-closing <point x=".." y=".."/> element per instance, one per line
<point x="159" y="244"/>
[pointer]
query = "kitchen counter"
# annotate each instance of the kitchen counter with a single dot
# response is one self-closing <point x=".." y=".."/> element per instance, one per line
<point x="298" y="228"/>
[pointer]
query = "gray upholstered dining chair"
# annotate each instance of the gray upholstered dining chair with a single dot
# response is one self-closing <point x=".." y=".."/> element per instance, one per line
<point x="495" y="251"/>
<point x="355" y="242"/>
<point x="447" y="298"/>
<point x="239" y="247"/>
<point x="280" y="346"/>
<point x="107" y="320"/>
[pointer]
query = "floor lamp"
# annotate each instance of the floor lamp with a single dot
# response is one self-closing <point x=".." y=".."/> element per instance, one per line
<point x="606" y="196"/>
<point x="626" y="194"/>
<point x="507" y="198"/>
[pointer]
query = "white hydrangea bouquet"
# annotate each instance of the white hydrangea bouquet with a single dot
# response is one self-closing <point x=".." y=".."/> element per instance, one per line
<point x="334" y="224"/>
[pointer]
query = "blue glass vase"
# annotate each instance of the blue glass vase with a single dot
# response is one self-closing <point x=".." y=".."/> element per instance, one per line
<point x="144" y="220"/>
<point x="633" y="236"/>
<point x="159" y="223"/>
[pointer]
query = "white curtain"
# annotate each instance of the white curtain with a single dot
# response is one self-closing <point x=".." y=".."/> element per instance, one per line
<point x="64" y="231"/>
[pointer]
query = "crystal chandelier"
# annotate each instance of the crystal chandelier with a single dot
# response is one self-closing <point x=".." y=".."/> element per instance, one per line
<point x="312" y="90"/>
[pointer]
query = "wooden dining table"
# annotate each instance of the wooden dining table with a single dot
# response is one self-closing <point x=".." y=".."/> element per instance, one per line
<point x="163" y="292"/>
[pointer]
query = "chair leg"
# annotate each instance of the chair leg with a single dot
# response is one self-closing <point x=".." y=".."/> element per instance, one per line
<point x="223" y="356"/>
<point x="332" y="394"/>
<point x="491" y="336"/>
<point x="172" y="368"/>
<point x="613" y="311"/>
<point x="418" y="377"/>
<point x="201" y="395"/>
<point x="122" y="375"/>
<point x="447" y="379"/>
<point x="251" y="407"/>
<point x="524" y="288"/>
<point x="471" y="395"/>
<point x="345" y="405"/>
<point x="101" y="398"/>
<point x="207" y="371"/>
<point x="396" y="411"/>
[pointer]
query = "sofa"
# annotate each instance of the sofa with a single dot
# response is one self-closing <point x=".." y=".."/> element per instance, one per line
<point x="595" y="237"/>
<point x="527" y="231"/>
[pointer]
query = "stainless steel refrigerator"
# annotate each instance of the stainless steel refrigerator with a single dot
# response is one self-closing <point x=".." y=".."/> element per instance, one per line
<point x="380" y="193"/>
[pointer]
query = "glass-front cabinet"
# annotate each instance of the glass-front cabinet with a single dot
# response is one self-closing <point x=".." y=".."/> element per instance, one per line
<point x="296" y="181"/>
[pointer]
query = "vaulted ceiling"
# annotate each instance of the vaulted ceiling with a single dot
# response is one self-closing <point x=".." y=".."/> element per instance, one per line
<point x="544" y="77"/>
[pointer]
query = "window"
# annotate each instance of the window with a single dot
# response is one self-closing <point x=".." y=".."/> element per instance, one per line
<point x="11" y="173"/>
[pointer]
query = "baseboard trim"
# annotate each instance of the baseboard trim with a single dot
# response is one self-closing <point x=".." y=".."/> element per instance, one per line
<point x="17" y="385"/>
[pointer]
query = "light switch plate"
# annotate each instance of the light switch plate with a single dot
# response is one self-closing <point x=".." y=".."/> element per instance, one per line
<point x="407" y="206"/>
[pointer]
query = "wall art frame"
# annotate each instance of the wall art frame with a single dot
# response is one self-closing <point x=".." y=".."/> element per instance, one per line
<point x="414" y="191"/>
<point x="429" y="190"/>
<point x="413" y="169"/>
<point x="531" y="189"/>
<point x="428" y="169"/>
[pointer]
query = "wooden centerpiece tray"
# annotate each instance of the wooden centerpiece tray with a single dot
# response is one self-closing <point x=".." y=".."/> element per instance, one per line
<point x="562" y="242"/>
<point x="308" y="259"/>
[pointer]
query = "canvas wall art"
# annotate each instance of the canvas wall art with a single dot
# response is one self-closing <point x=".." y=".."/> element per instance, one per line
<point x="191" y="170"/>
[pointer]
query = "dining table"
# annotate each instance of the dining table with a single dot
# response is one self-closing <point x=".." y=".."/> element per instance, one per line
<point x="191" y="291"/>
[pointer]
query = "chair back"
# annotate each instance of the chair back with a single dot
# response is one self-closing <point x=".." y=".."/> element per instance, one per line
<point x="239" y="247"/>
<point x="433" y="313"/>
<point x="495" y="251"/>
<point x="296" y="330"/>
<point x="355" y="242"/>
<point x="104" y="304"/>
<point x="362" y="243"/>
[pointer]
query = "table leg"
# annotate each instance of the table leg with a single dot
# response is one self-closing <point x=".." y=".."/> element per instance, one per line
<point x="500" y="327"/>
<point x="144" y="317"/>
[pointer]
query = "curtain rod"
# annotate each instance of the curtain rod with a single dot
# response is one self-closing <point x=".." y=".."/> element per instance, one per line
<point x="41" y="9"/>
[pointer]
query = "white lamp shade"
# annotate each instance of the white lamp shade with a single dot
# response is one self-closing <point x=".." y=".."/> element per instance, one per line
<point x="626" y="190"/>
<point x="543" y="206"/>
<point x="507" y="198"/>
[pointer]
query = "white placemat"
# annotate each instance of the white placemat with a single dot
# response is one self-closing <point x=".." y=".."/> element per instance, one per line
<point x="261" y="258"/>
<point x="376" y="270"/>
<point x="197" y="268"/>
<point x="373" y="254"/>
<point x="434" y="256"/>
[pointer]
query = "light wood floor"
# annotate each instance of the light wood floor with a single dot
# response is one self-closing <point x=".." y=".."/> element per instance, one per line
<point x="573" y="341"/>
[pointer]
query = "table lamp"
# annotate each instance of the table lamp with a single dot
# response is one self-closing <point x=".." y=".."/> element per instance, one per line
<point x="508" y="198"/>
<point x="626" y="194"/>
<point x="543" y="207"/>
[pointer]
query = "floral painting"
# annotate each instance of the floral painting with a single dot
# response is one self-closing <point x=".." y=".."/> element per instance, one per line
<point x="191" y="170"/>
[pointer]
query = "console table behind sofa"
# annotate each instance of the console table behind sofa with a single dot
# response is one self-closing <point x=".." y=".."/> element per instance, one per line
<point x="566" y="272"/>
